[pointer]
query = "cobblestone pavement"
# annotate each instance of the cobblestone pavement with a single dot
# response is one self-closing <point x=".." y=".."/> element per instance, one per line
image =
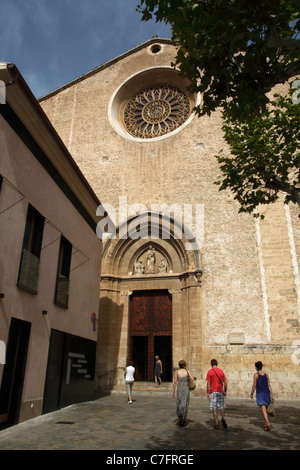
<point x="150" y="424"/>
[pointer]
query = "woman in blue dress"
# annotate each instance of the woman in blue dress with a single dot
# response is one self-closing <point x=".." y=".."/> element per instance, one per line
<point x="264" y="394"/>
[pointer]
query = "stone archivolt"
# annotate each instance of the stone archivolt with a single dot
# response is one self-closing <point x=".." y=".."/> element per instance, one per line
<point x="125" y="256"/>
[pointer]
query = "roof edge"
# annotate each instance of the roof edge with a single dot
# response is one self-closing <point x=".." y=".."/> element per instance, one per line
<point x="105" y="65"/>
<point x="13" y="77"/>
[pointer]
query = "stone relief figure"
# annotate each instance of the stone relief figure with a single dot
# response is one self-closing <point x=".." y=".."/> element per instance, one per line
<point x="162" y="267"/>
<point x="139" y="267"/>
<point x="148" y="258"/>
<point x="151" y="256"/>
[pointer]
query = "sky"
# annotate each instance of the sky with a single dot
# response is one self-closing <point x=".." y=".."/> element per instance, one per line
<point x="55" y="41"/>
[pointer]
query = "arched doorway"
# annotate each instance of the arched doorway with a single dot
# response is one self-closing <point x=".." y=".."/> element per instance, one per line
<point x="149" y="300"/>
<point x="150" y="332"/>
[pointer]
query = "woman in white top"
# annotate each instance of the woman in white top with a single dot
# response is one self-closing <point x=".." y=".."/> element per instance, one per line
<point x="129" y="379"/>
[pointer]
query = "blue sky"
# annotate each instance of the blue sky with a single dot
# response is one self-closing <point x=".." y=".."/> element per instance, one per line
<point x="55" y="41"/>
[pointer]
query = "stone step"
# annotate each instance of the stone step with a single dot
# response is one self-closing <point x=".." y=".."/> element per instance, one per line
<point x="146" y="388"/>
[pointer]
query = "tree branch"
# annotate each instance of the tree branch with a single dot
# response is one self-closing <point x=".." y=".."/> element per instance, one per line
<point x="290" y="71"/>
<point x="274" y="182"/>
<point x="288" y="44"/>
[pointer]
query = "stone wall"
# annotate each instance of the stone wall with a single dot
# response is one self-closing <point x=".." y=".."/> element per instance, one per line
<point x="237" y="362"/>
<point x="250" y="282"/>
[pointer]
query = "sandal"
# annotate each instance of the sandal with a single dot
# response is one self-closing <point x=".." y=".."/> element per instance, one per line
<point x="217" y="426"/>
<point x="267" y="427"/>
<point x="224" y="423"/>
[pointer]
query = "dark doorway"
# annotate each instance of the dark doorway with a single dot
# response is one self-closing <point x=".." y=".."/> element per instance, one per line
<point x="150" y="333"/>
<point x="163" y="349"/>
<point x="14" y="371"/>
<point x="70" y="371"/>
<point x="54" y="376"/>
<point x="140" y="356"/>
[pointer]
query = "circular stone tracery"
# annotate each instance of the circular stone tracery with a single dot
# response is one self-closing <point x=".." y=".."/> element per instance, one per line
<point x="156" y="111"/>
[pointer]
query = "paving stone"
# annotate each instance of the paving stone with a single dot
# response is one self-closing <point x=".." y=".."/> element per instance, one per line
<point x="150" y="424"/>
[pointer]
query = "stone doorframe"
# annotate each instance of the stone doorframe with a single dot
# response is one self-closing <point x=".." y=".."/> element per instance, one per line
<point x="127" y="266"/>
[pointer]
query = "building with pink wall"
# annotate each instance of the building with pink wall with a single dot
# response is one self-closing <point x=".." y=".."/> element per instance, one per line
<point x="50" y="263"/>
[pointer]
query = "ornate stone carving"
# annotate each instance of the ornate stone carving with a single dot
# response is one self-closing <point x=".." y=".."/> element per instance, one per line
<point x="174" y="291"/>
<point x="197" y="275"/>
<point x="139" y="267"/>
<point x="162" y="267"/>
<point x="151" y="258"/>
<point x="156" y="111"/>
<point x="145" y="263"/>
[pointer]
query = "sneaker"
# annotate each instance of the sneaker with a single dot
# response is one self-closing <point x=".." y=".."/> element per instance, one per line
<point x="129" y="402"/>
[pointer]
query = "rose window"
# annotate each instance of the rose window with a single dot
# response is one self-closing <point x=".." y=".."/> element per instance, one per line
<point x="156" y="111"/>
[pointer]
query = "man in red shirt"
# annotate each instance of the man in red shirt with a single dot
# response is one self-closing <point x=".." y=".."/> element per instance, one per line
<point x="216" y="392"/>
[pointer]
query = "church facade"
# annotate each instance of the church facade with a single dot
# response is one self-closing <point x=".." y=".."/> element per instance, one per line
<point x="184" y="274"/>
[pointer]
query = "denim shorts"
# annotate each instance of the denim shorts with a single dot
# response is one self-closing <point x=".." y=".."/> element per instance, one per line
<point x="216" y="401"/>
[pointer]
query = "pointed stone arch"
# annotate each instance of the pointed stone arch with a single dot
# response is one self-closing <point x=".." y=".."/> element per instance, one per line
<point x="151" y="228"/>
<point x="177" y="270"/>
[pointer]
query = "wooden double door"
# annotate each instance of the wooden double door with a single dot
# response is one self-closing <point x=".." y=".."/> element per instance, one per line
<point x="150" y="333"/>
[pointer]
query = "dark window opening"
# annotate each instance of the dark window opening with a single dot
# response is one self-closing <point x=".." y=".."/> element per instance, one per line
<point x="155" y="49"/>
<point x="31" y="251"/>
<point x="63" y="273"/>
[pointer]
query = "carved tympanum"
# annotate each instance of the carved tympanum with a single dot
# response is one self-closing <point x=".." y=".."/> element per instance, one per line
<point x="147" y="262"/>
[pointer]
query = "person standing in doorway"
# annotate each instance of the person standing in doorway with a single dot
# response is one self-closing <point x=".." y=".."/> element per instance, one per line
<point x="157" y="370"/>
<point x="264" y="394"/>
<point x="216" y="390"/>
<point x="129" y="379"/>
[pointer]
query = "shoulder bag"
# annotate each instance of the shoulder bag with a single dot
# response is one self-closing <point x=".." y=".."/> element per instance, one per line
<point x="191" y="382"/>
<point x="218" y="378"/>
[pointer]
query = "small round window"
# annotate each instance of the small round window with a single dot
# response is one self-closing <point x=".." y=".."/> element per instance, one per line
<point x="155" y="49"/>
